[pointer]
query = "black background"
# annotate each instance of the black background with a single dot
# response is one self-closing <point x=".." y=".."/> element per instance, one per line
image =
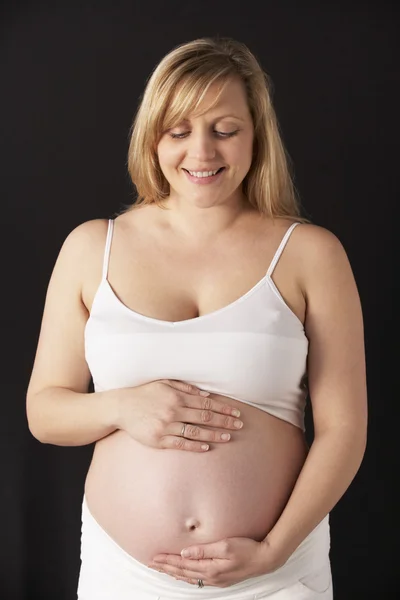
<point x="71" y="77"/>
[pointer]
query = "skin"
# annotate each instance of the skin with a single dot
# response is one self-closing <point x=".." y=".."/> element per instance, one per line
<point x="221" y="137"/>
<point x="202" y="254"/>
<point x="224" y="224"/>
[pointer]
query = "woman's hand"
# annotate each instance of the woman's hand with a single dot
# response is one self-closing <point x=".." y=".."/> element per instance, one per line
<point x="176" y="415"/>
<point x="220" y="564"/>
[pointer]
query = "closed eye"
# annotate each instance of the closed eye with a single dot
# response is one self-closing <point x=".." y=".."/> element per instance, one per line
<point x="220" y="134"/>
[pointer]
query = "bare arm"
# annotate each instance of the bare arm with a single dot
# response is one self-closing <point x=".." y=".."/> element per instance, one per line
<point x="337" y="384"/>
<point x="60" y="409"/>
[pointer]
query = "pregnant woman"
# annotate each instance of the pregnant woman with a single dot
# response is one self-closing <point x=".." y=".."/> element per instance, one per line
<point x="205" y="314"/>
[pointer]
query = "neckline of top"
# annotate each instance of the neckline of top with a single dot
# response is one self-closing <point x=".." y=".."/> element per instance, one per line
<point x="208" y="315"/>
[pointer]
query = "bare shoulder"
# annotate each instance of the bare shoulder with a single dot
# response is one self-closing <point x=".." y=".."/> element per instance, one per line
<point x="319" y="252"/>
<point x="80" y="257"/>
<point x="327" y="281"/>
<point x="314" y="237"/>
<point x="86" y="236"/>
<point x="83" y="245"/>
<point x="335" y="330"/>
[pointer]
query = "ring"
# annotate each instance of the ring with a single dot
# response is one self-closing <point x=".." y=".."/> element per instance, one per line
<point x="183" y="430"/>
<point x="200" y="583"/>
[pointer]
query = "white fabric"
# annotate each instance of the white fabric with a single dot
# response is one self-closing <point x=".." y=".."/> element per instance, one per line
<point x="253" y="350"/>
<point x="109" y="573"/>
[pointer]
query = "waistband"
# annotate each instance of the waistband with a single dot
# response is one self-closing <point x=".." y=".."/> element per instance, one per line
<point x="102" y="557"/>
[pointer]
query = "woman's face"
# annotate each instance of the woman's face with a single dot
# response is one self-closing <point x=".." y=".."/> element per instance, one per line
<point x="206" y="157"/>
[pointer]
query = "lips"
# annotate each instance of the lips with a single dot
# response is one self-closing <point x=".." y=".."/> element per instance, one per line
<point x="203" y="179"/>
<point x="214" y="171"/>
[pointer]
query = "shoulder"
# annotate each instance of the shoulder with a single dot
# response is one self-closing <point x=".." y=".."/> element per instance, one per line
<point x="88" y="239"/>
<point x="309" y="246"/>
<point x="82" y="249"/>
<point x="317" y="246"/>
<point x="87" y="233"/>
<point x="311" y="236"/>
<point x="321" y="260"/>
<point x="85" y="239"/>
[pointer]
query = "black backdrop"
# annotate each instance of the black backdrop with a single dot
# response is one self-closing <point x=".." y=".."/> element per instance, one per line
<point x="71" y="77"/>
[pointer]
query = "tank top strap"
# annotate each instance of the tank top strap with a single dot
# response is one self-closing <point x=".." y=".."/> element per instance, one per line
<point x="107" y="248"/>
<point x="280" y="249"/>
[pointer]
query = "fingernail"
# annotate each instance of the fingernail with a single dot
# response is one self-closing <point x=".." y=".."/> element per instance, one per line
<point x="204" y="446"/>
<point x="237" y="424"/>
<point x="236" y="413"/>
<point x="225" y="436"/>
<point x="185" y="553"/>
<point x="203" y="393"/>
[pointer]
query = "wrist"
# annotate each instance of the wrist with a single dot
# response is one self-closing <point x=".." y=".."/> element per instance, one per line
<point x="109" y="406"/>
<point x="272" y="556"/>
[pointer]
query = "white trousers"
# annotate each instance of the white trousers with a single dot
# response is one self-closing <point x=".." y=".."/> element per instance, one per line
<point x="109" y="573"/>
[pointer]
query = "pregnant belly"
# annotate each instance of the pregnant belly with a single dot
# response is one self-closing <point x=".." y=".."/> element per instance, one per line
<point x="151" y="501"/>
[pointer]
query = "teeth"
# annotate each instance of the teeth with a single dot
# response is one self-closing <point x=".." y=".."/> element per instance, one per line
<point x="203" y="173"/>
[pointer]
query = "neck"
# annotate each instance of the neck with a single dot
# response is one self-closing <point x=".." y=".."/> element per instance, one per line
<point x="203" y="224"/>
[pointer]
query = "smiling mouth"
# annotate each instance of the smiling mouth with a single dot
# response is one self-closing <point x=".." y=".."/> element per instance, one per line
<point x="204" y="174"/>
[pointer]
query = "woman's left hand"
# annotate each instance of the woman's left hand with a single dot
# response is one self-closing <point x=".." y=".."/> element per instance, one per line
<point x="220" y="564"/>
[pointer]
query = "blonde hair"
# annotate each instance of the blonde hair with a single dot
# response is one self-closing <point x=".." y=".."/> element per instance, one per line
<point x="175" y="89"/>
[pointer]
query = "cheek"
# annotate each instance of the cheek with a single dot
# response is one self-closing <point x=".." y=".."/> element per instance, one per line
<point x="242" y="155"/>
<point x="168" y="155"/>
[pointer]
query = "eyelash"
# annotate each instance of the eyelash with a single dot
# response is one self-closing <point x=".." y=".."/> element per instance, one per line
<point x="180" y="136"/>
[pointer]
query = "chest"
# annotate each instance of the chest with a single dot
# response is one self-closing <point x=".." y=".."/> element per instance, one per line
<point x="173" y="284"/>
<point x="238" y="351"/>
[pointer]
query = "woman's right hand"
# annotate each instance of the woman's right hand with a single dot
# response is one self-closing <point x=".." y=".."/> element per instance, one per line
<point x="176" y="415"/>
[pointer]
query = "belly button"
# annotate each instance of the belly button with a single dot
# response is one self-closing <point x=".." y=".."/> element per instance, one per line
<point x="192" y="524"/>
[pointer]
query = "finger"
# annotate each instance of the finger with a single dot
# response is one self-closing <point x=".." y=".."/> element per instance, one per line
<point x="212" y="404"/>
<point x="215" y="550"/>
<point x="194" y="432"/>
<point x="177" y="571"/>
<point x="175" y="561"/>
<point x="191" y="581"/>
<point x="208" y="417"/>
<point x="174" y="442"/>
<point x="187" y="388"/>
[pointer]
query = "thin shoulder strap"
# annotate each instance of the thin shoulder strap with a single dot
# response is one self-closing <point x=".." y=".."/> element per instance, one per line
<point x="281" y="248"/>
<point x="107" y="248"/>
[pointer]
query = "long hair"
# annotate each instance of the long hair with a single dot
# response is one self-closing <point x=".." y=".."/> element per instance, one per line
<point x="175" y="89"/>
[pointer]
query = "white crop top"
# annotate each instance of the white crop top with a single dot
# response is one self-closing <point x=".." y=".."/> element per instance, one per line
<point x="254" y="349"/>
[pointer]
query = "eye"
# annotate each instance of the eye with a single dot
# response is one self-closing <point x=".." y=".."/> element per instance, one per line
<point x="221" y="134"/>
<point x="226" y="135"/>
<point x="179" y="136"/>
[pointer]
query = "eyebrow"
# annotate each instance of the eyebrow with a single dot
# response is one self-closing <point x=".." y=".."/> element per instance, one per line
<point x="230" y="117"/>
<point x="220" y="118"/>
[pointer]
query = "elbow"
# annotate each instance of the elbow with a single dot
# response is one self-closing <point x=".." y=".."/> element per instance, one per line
<point x="360" y="437"/>
<point x="36" y="430"/>
<point x="350" y="437"/>
<point x="363" y="444"/>
<point x="35" y="423"/>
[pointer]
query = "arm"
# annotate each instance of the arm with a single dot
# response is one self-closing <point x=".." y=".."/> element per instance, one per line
<point x="60" y="410"/>
<point x="337" y="385"/>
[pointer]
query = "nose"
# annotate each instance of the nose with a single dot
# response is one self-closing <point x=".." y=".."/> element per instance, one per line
<point x="201" y="146"/>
